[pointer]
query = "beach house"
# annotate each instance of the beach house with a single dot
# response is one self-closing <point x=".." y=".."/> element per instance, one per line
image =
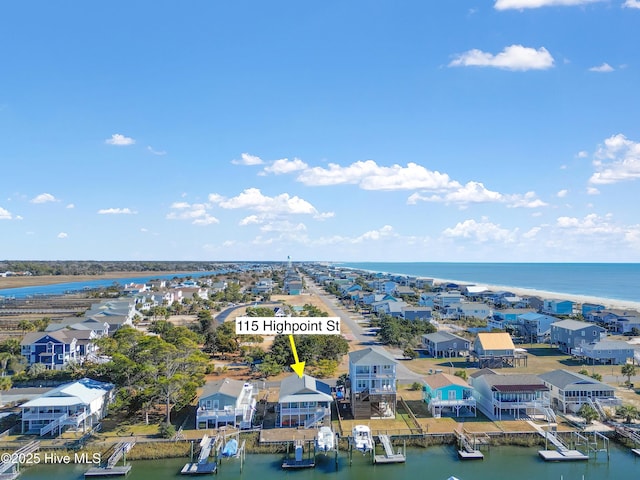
<point x="558" y="307"/>
<point x="372" y="375"/>
<point x="494" y="350"/>
<point x="54" y="350"/>
<point x="536" y="327"/>
<point x="445" y="344"/>
<point x="572" y="334"/>
<point x="303" y="401"/>
<point x="446" y="393"/>
<point x="570" y="390"/>
<point x="513" y="396"/>
<point x="226" y="402"/>
<point x="605" y="351"/>
<point x="82" y="403"/>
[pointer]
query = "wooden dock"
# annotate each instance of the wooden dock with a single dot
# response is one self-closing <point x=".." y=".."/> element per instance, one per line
<point x="111" y="469"/>
<point x="10" y="469"/>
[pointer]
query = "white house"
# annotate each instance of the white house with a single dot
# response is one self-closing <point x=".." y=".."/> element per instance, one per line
<point x="80" y="403"/>
<point x="226" y="401"/>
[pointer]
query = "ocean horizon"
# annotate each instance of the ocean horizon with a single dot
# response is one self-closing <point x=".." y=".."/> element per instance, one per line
<point x="615" y="281"/>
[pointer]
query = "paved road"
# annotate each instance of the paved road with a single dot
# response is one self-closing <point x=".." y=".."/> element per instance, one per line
<point x="360" y="335"/>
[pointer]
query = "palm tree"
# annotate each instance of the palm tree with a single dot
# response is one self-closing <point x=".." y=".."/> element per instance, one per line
<point x="4" y="361"/>
<point x="628" y="370"/>
<point x="629" y="412"/>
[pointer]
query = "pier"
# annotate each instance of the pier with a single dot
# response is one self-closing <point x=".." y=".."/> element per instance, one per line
<point x="10" y="469"/>
<point x="467" y="450"/>
<point x="298" y="460"/>
<point x="202" y="466"/>
<point x="389" y="456"/>
<point x="111" y="469"/>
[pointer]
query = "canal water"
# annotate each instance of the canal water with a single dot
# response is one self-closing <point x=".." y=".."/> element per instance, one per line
<point x="433" y="463"/>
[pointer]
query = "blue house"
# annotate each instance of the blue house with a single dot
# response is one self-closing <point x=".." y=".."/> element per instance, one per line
<point x="588" y="308"/>
<point x="52" y="349"/>
<point x="558" y="307"/>
<point x="448" y="393"/>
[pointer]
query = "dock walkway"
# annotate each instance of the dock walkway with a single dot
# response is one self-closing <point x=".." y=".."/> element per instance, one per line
<point x="389" y="456"/>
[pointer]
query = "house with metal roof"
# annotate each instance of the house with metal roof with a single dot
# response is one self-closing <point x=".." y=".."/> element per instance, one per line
<point x="372" y="376"/>
<point x="515" y="396"/>
<point x="445" y="344"/>
<point x="446" y="393"/>
<point x="496" y="350"/>
<point x="570" y="390"/>
<point x="226" y="402"/>
<point x="303" y="401"/>
<point x="82" y="403"/>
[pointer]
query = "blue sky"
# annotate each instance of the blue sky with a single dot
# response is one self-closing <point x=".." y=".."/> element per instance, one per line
<point x="496" y="130"/>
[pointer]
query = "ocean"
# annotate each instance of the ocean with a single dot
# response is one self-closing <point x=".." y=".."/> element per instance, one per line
<point x="433" y="463"/>
<point x="616" y="281"/>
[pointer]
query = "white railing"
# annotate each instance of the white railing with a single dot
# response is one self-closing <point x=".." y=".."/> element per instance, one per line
<point x="466" y="402"/>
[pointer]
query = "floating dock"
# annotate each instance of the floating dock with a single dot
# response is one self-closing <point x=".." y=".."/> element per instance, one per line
<point x="562" y="455"/>
<point x="389" y="456"/>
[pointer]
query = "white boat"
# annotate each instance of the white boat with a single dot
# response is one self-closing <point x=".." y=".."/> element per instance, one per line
<point x="361" y="438"/>
<point x="325" y="440"/>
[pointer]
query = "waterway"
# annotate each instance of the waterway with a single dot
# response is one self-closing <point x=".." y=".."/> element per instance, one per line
<point x="433" y="463"/>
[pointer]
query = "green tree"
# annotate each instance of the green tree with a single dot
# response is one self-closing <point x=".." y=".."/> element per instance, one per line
<point x="588" y="413"/>
<point x="628" y="370"/>
<point x="325" y="368"/>
<point x="409" y="353"/>
<point x="270" y="367"/>
<point x="461" y="373"/>
<point x="628" y="412"/>
<point x="10" y="345"/>
<point x="5" y="383"/>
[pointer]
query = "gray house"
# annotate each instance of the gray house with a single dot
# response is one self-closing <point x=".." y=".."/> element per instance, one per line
<point x="573" y="334"/>
<point x="570" y="390"/>
<point x="416" y="313"/>
<point x="609" y="352"/>
<point x="445" y="344"/>
<point x="226" y="401"/>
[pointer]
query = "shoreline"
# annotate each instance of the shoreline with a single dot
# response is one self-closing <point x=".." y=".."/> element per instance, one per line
<point x="608" y="303"/>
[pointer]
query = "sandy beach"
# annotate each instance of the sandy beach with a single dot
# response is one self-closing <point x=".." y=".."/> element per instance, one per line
<point x="609" y="303"/>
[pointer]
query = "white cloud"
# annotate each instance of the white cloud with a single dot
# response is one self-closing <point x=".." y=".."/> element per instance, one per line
<point x="475" y="192"/>
<point x="247" y="159"/>
<point x="562" y="193"/>
<point x="522" y="4"/>
<point x="482" y="232"/>
<point x="616" y="161"/>
<point x="63" y="235"/>
<point x="532" y="233"/>
<point x="197" y="213"/>
<point x="70" y="206"/>
<point x="513" y="57"/>
<point x="283" y="226"/>
<point x="378" y="234"/>
<point x="632" y="4"/>
<point x="591" y="224"/>
<point x="284" y="165"/>
<point x="593" y="191"/>
<point x="119" y="140"/>
<point x="582" y="154"/>
<point x="156" y="152"/>
<point x="44" y="198"/>
<point x="253" y="199"/>
<point x="604" y="68"/>
<point x="368" y="175"/>
<point x="116" y="211"/>
<point x="250" y="220"/>
<point x="5" y="214"/>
